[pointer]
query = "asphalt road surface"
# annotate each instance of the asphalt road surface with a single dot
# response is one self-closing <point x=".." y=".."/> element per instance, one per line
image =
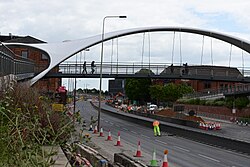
<point x="182" y="152"/>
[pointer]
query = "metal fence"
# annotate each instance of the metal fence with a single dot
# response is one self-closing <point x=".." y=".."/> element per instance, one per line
<point x="13" y="64"/>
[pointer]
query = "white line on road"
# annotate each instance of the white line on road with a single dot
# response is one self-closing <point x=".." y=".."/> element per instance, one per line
<point x="160" y="141"/>
<point x="117" y="125"/>
<point x="125" y="129"/>
<point x="111" y="123"/>
<point x="106" y="121"/>
<point x="182" y="148"/>
<point x="204" y="156"/>
<point x="146" y="136"/>
<point x="133" y="132"/>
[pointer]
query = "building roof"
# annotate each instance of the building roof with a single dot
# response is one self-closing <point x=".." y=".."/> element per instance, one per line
<point x="20" y="39"/>
<point x="204" y="70"/>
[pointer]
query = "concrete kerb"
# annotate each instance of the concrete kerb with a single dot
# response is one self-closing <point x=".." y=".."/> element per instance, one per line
<point x="99" y="149"/>
<point x="92" y="155"/>
<point x="193" y="134"/>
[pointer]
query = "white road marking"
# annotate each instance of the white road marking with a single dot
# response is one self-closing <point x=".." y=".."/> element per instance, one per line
<point x="117" y="125"/>
<point x="106" y="121"/>
<point x="182" y="148"/>
<point x="204" y="156"/>
<point x="133" y="132"/>
<point x="111" y="123"/>
<point x="146" y="136"/>
<point x="160" y="141"/>
<point x="125" y="129"/>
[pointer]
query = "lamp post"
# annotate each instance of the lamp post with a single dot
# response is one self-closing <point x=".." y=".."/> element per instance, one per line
<point x="84" y="53"/>
<point x="100" y="88"/>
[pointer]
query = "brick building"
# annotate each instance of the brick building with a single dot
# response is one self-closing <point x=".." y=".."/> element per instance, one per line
<point x="40" y="58"/>
<point x="203" y="85"/>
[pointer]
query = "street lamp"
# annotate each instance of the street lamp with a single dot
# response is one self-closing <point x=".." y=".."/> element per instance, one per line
<point x="84" y="53"/>
<point x="100" y="88"/>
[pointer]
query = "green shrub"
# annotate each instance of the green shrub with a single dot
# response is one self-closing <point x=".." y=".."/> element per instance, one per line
<point x="28" y="123"/>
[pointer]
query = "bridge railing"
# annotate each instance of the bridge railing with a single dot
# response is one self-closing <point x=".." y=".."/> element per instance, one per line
<point x="110" y="68"/>
<point x="13" y="64"/>
<point x="157" y="69"/>
<point x="210" y="93"/>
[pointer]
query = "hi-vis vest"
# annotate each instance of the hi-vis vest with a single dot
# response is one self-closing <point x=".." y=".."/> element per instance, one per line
<point x="156" y="123"/>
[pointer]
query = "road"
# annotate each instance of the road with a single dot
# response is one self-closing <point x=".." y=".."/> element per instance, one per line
<point x="182" y="152"/>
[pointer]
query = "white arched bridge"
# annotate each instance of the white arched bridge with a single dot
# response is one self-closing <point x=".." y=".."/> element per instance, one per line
<point x="60" y="52"/>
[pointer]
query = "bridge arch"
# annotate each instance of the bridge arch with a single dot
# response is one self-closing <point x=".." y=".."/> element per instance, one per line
<point x="59" y="52"/>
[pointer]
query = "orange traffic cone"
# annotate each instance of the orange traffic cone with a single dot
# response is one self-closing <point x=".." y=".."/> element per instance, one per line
<point x="165" y="160"/>
<point x="101" y="133"/>
<point x="109" y="137"/>
<point x="95" y="130"/>
<point x="118" y="143"/>
<point x="138" y="152"/>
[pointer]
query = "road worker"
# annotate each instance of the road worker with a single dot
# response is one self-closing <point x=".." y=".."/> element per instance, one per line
<point x="156" y="128"/>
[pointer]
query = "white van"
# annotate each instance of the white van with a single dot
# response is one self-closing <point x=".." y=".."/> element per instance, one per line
<point x="152" y="107"/>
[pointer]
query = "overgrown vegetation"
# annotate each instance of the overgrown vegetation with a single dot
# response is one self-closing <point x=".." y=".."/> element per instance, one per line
<point x="230" y="102"/>
<point x="28" y="124"/>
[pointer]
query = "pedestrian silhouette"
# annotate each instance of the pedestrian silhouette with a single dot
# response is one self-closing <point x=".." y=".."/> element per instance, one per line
<point x="93" y="67"/>
<point x="172" y="68"/>
<point x="84" y="68"/>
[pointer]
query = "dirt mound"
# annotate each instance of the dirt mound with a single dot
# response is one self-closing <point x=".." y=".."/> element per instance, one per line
<point x="194" y="118"/>
<point x="166" y="113"/>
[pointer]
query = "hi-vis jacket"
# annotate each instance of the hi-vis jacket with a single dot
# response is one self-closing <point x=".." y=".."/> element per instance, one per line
<point x="156" y="123"/>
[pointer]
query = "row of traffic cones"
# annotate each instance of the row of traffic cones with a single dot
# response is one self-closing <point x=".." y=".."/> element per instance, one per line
<point x="153" y="162"/>
<point x="109" y="138"/>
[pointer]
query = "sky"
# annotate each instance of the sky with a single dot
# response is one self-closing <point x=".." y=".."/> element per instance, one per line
<point x="57" y="20"/>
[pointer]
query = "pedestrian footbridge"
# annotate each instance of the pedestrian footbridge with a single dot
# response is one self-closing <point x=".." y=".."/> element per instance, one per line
<point x="59" y="52"/>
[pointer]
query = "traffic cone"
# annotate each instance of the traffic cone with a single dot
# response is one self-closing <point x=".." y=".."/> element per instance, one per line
<point x="109" y="137"/>
<point x="201" y="125"/>
<point x="90" y="128"/>
<point x="118" y="143"/>
<point x="206" y="125"/>
<point x="138" y="152"/>
<point x="95" y="130"/>
<point x="153" y="162"/>
<point x="165" y="160"/>
<point x="218" y="127"/>
<point x="101" y="133"/>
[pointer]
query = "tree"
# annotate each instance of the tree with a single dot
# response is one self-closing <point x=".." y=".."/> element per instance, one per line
<point x="138" y="89"/>
<point x="156" y="92"/>
<point x="170" y="92"/>
<point x="80" y="91"/>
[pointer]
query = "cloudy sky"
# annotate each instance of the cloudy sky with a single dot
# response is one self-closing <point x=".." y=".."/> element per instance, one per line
<point x="59" y="20"/>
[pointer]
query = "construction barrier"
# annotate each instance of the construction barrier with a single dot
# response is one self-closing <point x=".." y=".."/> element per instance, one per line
<point x="210" y="125"/>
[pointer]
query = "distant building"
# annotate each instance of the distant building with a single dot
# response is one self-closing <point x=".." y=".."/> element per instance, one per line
<point x="116" y="86"/>
<point x="40" y="58"/>
<point x="202" y="85"/>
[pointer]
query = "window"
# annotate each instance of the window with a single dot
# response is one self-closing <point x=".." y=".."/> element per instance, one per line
<point x="44" y="57"/>
<point x="24" y="54"/>
<point x="207" y="85"/>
